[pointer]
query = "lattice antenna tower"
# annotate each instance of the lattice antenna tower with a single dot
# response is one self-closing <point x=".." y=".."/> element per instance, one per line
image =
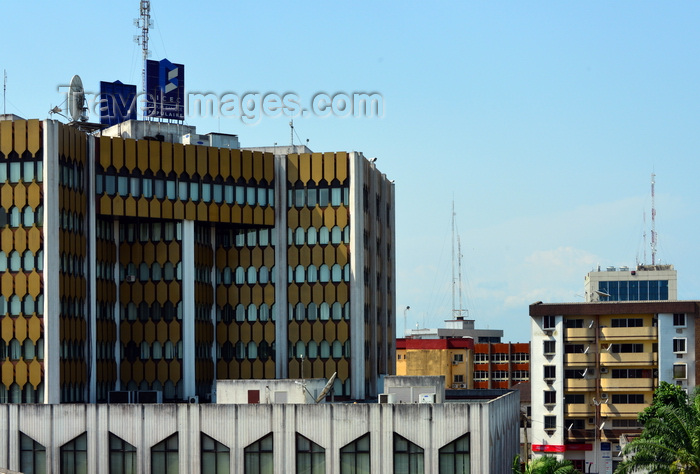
<point x="653" y="221"/>
<point x="144" y="23"/>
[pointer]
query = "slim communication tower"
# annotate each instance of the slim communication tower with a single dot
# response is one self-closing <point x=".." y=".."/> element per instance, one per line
<point x="653" y="221"/>
<point x="144" y="22"/>
<point x="4" y="92"/>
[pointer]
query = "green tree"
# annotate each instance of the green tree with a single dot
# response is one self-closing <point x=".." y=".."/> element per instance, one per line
<point x="666" y="395"/>
<point x="670" y="441"/>
<point x="546" y="465"/>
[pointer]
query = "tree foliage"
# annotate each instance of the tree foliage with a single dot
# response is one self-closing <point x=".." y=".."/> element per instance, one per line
<point x="546" y="465"/>
<point x="666" y="395"/>
<point x="670" y="441"/>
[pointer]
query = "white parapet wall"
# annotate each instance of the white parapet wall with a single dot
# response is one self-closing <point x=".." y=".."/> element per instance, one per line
<point x="489" y="426"/>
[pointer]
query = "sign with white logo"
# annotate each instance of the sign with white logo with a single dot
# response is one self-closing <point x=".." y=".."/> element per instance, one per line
<point x="165" y="90"/>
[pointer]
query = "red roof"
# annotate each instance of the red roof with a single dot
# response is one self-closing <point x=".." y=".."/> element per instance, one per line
<point x="425" y="344"/>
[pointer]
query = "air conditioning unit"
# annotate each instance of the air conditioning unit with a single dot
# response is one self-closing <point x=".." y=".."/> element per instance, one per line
<point x="426" y="398"/>
<point x="604" y="396"/>
<point x="193" y="399"/>
<point x="386" y="398"/>
<point x="603" y="370"/>
<point x="131" y="278"/>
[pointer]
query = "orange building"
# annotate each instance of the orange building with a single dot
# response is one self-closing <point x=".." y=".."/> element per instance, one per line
<point x="501" y="365"/>
<point x="449" y="357"/>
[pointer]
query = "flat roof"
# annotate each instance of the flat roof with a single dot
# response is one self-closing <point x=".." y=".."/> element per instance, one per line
<point x="614" y="307"/>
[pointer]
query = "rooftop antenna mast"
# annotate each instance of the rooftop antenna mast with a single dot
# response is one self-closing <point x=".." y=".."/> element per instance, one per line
<point x="4" y="93"/>
<point x="457" y="312"/>
<point x="291" y="134"/>
<point x="144" y="22"/>
<point x="653" y="221"/>
<point x="453" y="258"/>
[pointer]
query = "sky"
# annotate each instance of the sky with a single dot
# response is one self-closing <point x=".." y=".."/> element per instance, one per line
<point x="542" y="121"/>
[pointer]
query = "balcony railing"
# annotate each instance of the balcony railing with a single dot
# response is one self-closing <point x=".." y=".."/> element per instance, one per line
<point x="579" y="359"/>
<point x="628" y="333"/>
<point x="611" y="409"/>
<point x="628" y="358"/>
<point x="580" y="334"/>
<point x="579" y="384"/>
<point x="626" y="384"/>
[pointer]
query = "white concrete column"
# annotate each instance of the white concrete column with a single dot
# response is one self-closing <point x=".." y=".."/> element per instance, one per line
<point x="187" y="262"/>
<point x="281" y="284"/>
<point x="52" y="265"/>
<point x="357" y="278"/>
<point x="92" y="271"/>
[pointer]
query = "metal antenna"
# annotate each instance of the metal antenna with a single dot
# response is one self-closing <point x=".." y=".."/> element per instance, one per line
<point x="653" y="221"/>
<point x="453" y="258"/>
<point x="4" y="93"/>
<point x="144" y="23"/>
<point x="291" y="134"/>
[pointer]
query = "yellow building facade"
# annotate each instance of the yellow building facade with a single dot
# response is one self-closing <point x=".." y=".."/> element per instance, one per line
<point x="138" y="264"/>
<point x="452" y="358"/>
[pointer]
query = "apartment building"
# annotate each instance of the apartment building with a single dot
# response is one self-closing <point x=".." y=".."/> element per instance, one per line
<point x="595" y="366"/>
<point x="501" y="365"/>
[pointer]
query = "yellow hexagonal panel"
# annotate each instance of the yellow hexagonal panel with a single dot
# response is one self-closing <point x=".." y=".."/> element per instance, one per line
<point x="330" y="331"/>
<point x="191" y="153"/>
<point x="35" y="373"/>
<point x="269" y="292"/>
<point x="178" y="160"/>
<point x="20" y="284"/>
<point x="244" y="259"/>
<point x="343" y="369"/>
<point x="342" y="293"/>
<point x="329" y="166"/>
<point x="292" y="168"/>
<point x="20" y="240"/>
<point x="34" y="328"/>
<point x="270" y="331"/>
<point x="117" y="206"/>
<point x="174" y="291"/>
<point x="118" y="146"/>
<point x="233" y="333"/>
<point x="305" y="167"/>
<point x="149" y="292"/>
<point x="258" y="171"/>
<point x="244" y="296"/>
<point x="305" y="294"/>
<point x="162" y="371"/>
<point x="8" y="370"/>
<point x="33" y="195"/>
<point x="317" y="368"/>
<point x="292" y="257"/>
<point x="190" y="210"/>
<point x="305" y="331"/>
<point x="317" y="217"/>
<point x="7" y="328"/>
<point x="341" y="166"/>
<point x="163" y="160"/>
<point x="341" y="254"/>
<point x="6" y="196"/>
<point x="20" y="195"/>
<point x="269" y="167"/>
<point x="317" y="293"/>
<point x="34" y="136"/>
<point x="175" y="331"/>
<point x="294" y="369"/>
<point x="175" y="370"/>
<point x="293" y="218"/>
<point x="330" y="293"/>
<point x="142" y="207"/>
<point x="257" y="295"/>
<point x="317" y="331"/>
<point x="270" y="369"/>
<point x="20" y="136"/>
<point x="293" y="332"/>
<point x="247" y="215"/>
<point x="34" y="239"/>
<point x="330" y="368"/>
<point x="224" y="163"/>
<point x="7" y="284"/>
<point x="257" y="332"/>
<point x="329" y="217"/>
<point x="174" y="251"/>
<point x="202" y="211"/>
<point x="245" y="333"/>
<point x="292" y="294"/>
<point x="329" y="255"/>
<point x="317" y="167"/>
<point x="341" y="216"/>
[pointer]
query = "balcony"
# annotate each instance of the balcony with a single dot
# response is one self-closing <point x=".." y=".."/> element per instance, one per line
<point x="578" y="410"/>
<point x="631" y="409"/>
<point x="579" y="436"/>
<point x="628" y="358"/>
<point x="579" y="384"/>
<point x="579" y="359"/>
<point x="626" y="384"/>
<point x="628" y="333"/>
<point x="580" y="334"/>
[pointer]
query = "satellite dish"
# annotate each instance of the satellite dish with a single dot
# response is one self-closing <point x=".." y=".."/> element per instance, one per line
<point x="76" y="100"/>
<point x="327" y="388"/>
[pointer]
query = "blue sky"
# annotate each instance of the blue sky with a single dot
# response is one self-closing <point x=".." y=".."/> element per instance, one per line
<point x="542" y="120"/>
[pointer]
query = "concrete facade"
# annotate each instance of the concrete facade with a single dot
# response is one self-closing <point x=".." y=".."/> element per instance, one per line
<point x="491" y="427"/>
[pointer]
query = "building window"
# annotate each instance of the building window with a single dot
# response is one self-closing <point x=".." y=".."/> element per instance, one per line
<point x="408" y="457"/>
<point x="550" y="372"/>
<point x="550" y="397"/>
<point x="680" y="371"/>
<point x="481" y="357"/>
<point x="575" y="398"/>
<point x="577" y="373"/>
<point x="617" y="348"/>
<point x="574" y="349"/>
<point x="122" y="456"/>
<point x="355" y="457"/>
<point x="631" y="373"/>
<point x="679" y="319"/>
<point x="457" y="358"/>
<point x="311" y="458"/>
<point x="500" y="375"/>
<point x="32" y="455"/>
<point x="549" y="347"/>
<point x="575" y="424"/>
<point x="550" y="422"/>
<point x="521" y="375"/>
<point x="548" y="322"/>
<point x="500" y="357"/>
<point x="74" y="455"/>
<point x="679" y="345"/>
<point x="164" y="456"/>
<point x="521" y="357"/>
<point x="625" y="398"/>
<point x="216" y="457"/>
<point x="573" y="323"/>
<point x="459" y="378"/>
<point x="626" y="423"/>
<point x="627" y="322"/>
<point x="454" y="457"/>
<point x="258" y="456"/>
<point x="481" y="375"/>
